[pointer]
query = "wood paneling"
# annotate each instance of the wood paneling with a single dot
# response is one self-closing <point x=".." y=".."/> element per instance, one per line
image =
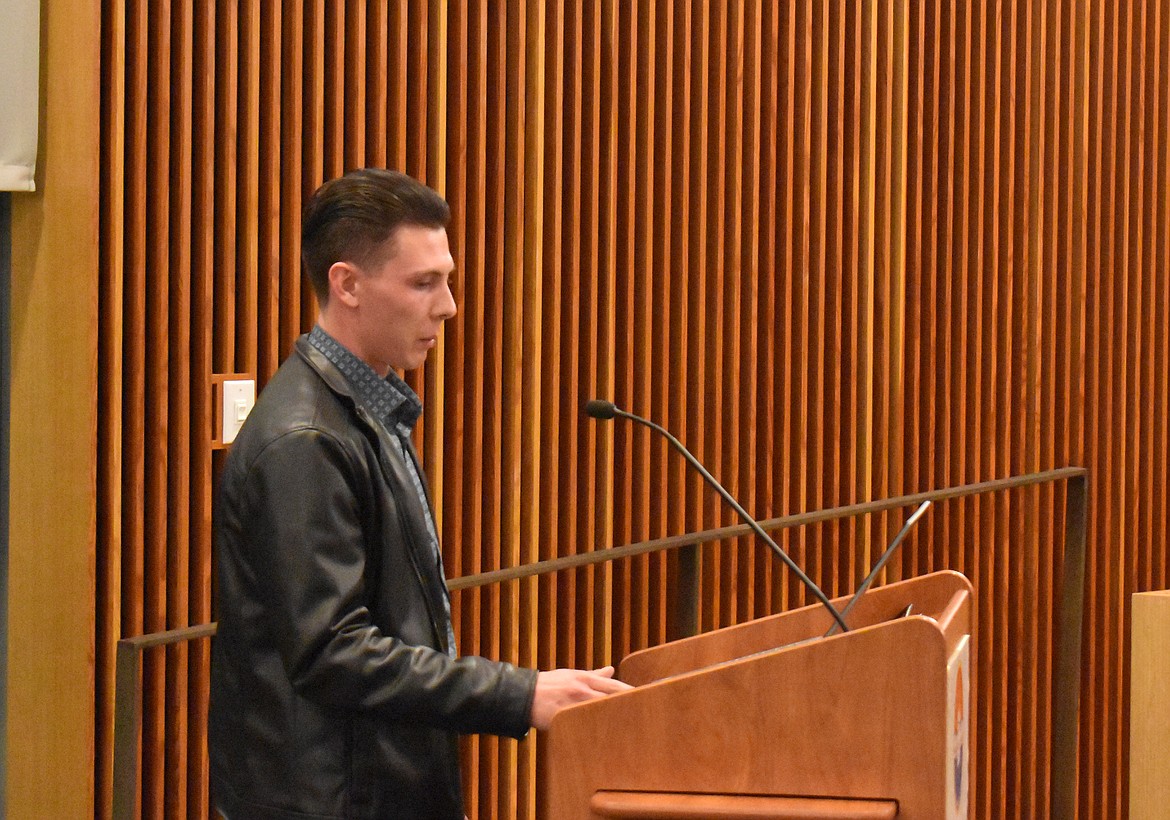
<point x="846" y="249"/>
<point x="52" y="428"/>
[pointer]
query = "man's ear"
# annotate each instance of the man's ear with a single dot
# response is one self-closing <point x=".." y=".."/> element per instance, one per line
<point x="343" y="279"/>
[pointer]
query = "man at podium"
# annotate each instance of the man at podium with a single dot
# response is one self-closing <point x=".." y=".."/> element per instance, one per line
<point x="336" y="688"/>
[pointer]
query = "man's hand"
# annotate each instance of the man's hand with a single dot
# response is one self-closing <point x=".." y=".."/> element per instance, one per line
<point x="564" y="687"/>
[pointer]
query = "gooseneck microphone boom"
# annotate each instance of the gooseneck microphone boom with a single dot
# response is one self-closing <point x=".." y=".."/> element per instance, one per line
<point x="910" y="522"/>
<point x="600" y="409"/>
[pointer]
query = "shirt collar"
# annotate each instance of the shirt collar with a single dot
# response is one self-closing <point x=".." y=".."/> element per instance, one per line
<point x="390" y="400"/>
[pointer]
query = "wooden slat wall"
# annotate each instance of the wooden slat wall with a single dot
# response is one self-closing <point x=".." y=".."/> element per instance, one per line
<point x="845" y="249"/>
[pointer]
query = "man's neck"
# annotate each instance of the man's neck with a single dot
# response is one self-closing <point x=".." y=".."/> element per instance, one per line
<point x="342" y="333"/>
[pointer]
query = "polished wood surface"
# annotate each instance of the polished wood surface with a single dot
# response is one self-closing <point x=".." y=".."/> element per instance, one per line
<point x="861" y="715"/>
<point x="926" y="594"/>
<point x="1149" y="715"/>
<point x="52" y="431"/>
<point x="682" y="806"/>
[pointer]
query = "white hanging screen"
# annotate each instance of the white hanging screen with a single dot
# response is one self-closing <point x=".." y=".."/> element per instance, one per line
<point x="19" y="93"/>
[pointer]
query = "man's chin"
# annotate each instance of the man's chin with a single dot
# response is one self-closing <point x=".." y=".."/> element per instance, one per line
<point x="413" y="363"/>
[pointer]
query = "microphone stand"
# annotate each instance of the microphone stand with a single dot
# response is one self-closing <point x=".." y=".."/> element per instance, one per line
<point x="607" y="410"/>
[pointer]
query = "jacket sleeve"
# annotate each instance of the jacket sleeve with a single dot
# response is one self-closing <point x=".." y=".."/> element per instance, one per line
<point x="306" y="559"/>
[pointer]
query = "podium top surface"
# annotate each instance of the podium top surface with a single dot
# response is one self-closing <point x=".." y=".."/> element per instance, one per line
<point x="938" y="597"/>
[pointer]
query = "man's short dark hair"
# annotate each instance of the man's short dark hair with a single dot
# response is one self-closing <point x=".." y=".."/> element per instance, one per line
<point x="347" y="219"/>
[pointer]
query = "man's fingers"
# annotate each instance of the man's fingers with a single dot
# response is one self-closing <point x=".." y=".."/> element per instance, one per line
<point x="565" y="687"/>
<point x="603" y="681"/>
<point x="611" y="687"/>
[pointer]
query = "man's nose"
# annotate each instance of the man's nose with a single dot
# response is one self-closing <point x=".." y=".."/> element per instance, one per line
<point x="447" y="307"/>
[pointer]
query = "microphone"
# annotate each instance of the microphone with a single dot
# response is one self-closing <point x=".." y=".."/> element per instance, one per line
<point x="910" y="522"/>
<point x="600" y="409"/>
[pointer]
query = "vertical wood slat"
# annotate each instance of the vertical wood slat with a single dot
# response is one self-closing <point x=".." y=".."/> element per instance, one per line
<point x="714" y="613"/>
<point x="669" y="301"/>
<point x="353" y="97"/>
<point x="831" y="380"/>
<point x="455" y="330"/>
<point x="247" y="192"/>
<point x="638" y="339"/>
<point x="697" y="498"/>
<point x="1144" y="238"/>
<point x="1046" y="373"/>
<point x="981" y="689"/>
<point x="495" y="212"/>
<point x="312" y="87"/>
<point x="737" y="349"/>
<point x="376" y="86"/>
<point x="270" y="191"/>
<point x="514" y="763"/>
<point x="431" y="428"/>
<point x="625" y="59"/>
<point x="860" y="248"/>
<point x="109" y="530"/>
<point x="110" y="536"/>
<point x="812" y="274"/>
<point x="290" y="161"/>
<point x="1161" y="576"/>
<point x="768" y="360"/>
<point x="202" y="353"/>
<point x="155" y="404"/>
<point x="333" y="59"/>
<point x="600" y="583"/>
<point x="562" y="111"/>
<point x="683" y="582"/>
<point x="1100" y="218"/>
<point x="459" y="162"/>
<point x="556" y="111"/>
<point x="178" y="423"/>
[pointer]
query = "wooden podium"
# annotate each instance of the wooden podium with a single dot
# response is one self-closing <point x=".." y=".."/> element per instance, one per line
<point x="769" y="720"/>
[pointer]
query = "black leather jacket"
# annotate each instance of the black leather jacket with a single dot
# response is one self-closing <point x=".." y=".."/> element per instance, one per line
<point x="331" y="691"/>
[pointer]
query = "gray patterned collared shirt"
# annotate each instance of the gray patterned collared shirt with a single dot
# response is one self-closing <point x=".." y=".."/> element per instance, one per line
<point x="397" y="408"/>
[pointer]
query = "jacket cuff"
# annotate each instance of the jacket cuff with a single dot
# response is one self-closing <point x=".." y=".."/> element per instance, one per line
<point x="526" y="681"/>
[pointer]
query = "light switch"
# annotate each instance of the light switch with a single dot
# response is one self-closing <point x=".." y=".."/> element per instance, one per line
<point x="239" y="396"/>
